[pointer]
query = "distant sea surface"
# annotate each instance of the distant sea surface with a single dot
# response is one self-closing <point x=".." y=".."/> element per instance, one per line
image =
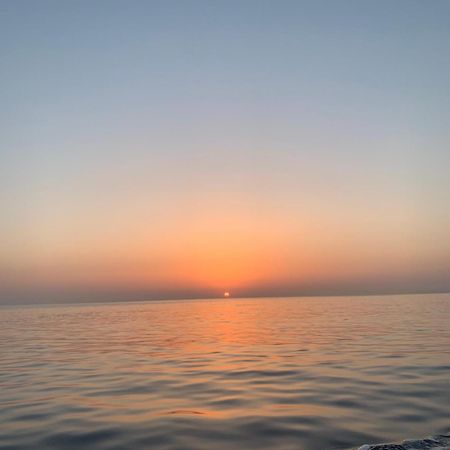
<point x="280" y="373"/>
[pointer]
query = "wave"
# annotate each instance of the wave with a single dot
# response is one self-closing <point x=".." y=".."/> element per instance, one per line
<point x="439" y="442"/>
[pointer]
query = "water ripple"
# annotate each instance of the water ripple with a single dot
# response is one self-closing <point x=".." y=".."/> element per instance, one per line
<point x="308" y="374"/>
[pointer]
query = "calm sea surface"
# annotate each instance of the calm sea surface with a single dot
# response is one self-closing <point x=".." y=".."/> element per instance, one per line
<point x="281" y="373"/>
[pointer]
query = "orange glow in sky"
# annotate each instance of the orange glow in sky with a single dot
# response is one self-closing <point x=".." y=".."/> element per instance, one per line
<point x="197" y="156"/>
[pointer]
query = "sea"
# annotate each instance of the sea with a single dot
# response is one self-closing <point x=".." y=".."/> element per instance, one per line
<point x="316" y="373"/>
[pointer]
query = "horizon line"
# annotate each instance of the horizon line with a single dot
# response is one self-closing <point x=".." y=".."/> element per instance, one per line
<point x="187" y="298"/>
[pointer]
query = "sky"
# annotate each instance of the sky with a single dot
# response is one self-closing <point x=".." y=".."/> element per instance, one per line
<point x="178" y="149"/>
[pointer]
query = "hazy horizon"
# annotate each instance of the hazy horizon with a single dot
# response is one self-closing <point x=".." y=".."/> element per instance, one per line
<point x="170" y="149"/>
<point x="115" y="297"/>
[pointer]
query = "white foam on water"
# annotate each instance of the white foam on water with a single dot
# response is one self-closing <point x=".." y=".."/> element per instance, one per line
<point x="439" y="442"/>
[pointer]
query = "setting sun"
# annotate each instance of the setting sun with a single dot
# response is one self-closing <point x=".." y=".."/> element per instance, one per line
<point x="226" y="294"/>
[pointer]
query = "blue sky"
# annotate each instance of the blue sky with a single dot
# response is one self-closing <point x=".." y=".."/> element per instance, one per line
<point x="139" y="117"/>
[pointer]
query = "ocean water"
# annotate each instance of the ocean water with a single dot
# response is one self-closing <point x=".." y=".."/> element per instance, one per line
<point x="279" y="373"/>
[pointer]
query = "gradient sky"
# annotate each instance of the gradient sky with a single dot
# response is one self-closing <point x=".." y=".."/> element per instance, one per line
<point x="153" y="149"/>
